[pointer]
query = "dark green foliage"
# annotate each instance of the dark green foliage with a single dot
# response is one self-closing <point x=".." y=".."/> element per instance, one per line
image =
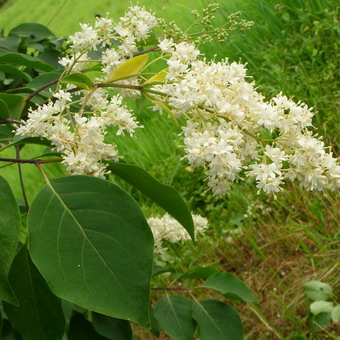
<point x="10" y="224"/>
<point x="91" y="242"/>
<point x="39" y="315"/>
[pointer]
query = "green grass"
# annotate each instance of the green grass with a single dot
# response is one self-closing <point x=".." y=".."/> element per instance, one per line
<point x="293" y="47"/>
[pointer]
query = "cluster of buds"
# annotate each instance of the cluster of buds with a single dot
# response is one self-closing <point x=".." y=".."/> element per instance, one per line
<point x="231" y="130"/>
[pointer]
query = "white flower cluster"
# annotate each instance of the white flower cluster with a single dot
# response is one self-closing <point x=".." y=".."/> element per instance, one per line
<point x="227" y="120"/>
<point x="80" y="139"/>
<point x="135" y="26"/>
<point x="232" y="130"/>
<point x="78" y="136"/>
<point x="167" y="228"/>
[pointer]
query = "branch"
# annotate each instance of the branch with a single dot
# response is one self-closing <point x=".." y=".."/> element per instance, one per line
<point x="126" y="86"/>
<point x="151" y="49"/>
<point x="17" y="149"/>
<point x="50" y="83"/>
<point x="38" y="90"/>
<point x="30" y="161"/>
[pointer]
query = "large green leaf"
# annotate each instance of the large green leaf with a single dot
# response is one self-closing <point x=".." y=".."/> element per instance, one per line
<point x="82" y="329"/>
<point x="10" y="223"/>
<point x="23" y="59"/>
<point x="39" y="315"/>
<point x="91" y="242"/>
<point x="165" y="196"/>
<point x="230" y="286"/>
<point x="15" y="104"/>
<point x="33" y="30"/>
<point x="173" y="314"/>
<point x="217" y="320"/>
<point x="111" y="328"/>
<point x="8" y="333"/>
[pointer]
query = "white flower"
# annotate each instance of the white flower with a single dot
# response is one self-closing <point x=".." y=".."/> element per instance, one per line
<point x="86" y="39"/>
<point x="275" y="154"/>
<point x="167" y="228"/>
<point x="166" y="45"/>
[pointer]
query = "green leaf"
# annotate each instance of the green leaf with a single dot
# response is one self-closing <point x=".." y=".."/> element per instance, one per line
<point x="199" y="272"/>
<point x="1" y="325"/>
<point x="131" y="67"/>
<point x="81" y="329"/>
<point x="30" y="140"/>
<point x="230" y="286"/>
<point x="317" y="290"/>
<point x="51" y="57"/>
<point x="8" y="333"/>
<point x="318" y="307"/>
<point x="10" y="224"/>
<point x="154" y="324"/>
<point x="15" y="71"/>
<point x="80" y="80"/>
<point x="320" y="321"/>
<point x="158" y="270"/>
<point x="173" y="314"/>
<point x="158" y="77"/>
<point x="15" y="104"/>
<point x="23" y="59"/>
<point x="165" y="196"/>
<point x="4" y="112"/>
<point x="164" y="107"/>
<point x="93" y="72"/>
<point x="111" y="328"/>
<point x="335" y="314"/>
<point x="39" y="315"/>
<point x="217" y="320"/>
<point x="91" y="242"/>
<point x="11" y="42"/>
<point x="43" y="79"/>
<point x="33" y="30"/>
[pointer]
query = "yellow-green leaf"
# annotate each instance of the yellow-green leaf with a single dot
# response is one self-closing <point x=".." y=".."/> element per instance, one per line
<point x="158" y="77"/>
<point x="164" y="107"/>
<point x="129" y="68"/>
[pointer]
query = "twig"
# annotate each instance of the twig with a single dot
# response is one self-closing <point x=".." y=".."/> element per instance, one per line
<point x="17" y="149"/>
<point x="42" y="88"/>
<point x="126" y="86"/>
<point x="10" y="121"/>
<point x="50" y="83"/>
<point x="151" y="49"/>
<point x="169" y="288"/>
<point x="30" y="161"/>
